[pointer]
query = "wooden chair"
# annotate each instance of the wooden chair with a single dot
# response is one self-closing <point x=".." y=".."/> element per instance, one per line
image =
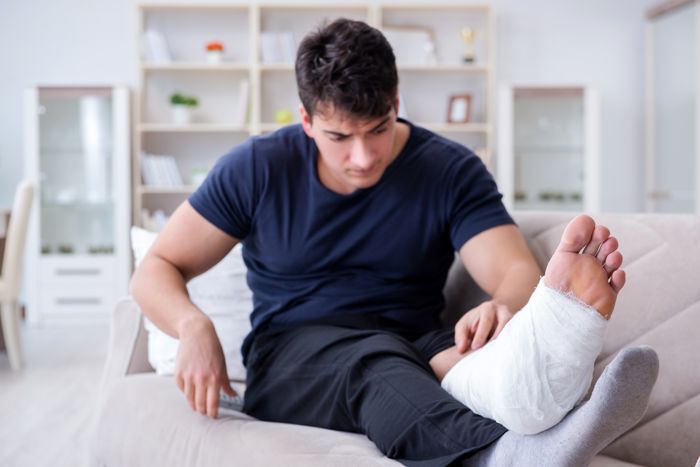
<point x="11" y="273"/>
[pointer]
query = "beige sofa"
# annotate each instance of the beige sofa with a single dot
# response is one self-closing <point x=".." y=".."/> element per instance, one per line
<point x="143" y="420"/>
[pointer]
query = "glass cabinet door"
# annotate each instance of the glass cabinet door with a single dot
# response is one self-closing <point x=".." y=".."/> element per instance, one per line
<point x="548" y="147"/>
<point x="75" y="171"/>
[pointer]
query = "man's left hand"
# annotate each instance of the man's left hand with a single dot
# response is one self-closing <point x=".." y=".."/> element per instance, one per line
<point x="481" y="325"/>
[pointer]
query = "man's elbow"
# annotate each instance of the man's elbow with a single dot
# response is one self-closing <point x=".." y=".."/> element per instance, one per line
<point x="138" y="279"/>
<point x="134" y="283"/>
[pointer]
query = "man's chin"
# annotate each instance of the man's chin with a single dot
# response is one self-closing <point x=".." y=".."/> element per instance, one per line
<point x="362" y="182"/>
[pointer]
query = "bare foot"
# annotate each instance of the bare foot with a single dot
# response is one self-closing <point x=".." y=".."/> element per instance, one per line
<point x="587" y="264"/>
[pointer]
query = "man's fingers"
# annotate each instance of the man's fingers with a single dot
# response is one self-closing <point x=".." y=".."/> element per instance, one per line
<point x="461" y="340"/>
<point x="212" y="401"/>
<point x="189" y="393"/>
<point x="472" y="329"/>
<point x="483" y="330"/>
<point x="180" y="382"/>
<point x="504" y="316"/>
<point x="227" y="388"/>
<point x="200" y="398"/>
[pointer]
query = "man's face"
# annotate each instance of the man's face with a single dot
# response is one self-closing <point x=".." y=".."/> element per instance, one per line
<point x="353" y="153"/>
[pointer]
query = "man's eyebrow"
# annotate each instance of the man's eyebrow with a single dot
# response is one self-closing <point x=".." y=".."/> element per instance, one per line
<point x="337" y="133"/>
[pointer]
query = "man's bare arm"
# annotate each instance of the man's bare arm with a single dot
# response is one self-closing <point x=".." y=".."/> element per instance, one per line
<point x="187" y="246"/>
<point x="501" y="263"/>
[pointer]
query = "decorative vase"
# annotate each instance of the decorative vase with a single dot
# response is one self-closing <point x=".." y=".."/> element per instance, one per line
<point x="182" y="114"/>
<point x="215" y="56"/>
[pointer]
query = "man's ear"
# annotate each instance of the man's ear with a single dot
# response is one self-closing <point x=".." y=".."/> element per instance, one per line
<point x="305" y="121"/>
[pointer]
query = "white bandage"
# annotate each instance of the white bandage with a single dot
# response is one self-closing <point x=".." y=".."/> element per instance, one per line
<point x="537" y="369"/>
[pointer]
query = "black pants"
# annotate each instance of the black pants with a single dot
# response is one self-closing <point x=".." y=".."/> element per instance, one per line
<point x="367" y="381"/>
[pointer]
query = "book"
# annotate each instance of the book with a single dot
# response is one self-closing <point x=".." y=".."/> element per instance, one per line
<point x="288" y="44"/>
<point x="270" y="51"/>
<point x="242" y="112"/>
<point x="154" y="49"/>
<point x="160" y="170"/>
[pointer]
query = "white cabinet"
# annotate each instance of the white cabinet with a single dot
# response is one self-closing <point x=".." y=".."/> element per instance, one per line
<point x="77" y="154"/>
<point x="673" y="106"/>
<point x="548" y="147"/>
<point x="252" y="89"/>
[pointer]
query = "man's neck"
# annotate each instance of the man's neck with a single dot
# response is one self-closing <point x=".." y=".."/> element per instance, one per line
<point x="403" y="131"/>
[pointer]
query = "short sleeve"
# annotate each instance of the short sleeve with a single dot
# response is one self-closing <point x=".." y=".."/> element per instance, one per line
<point x="227" y="196"/>
<point x="474" y="203"/>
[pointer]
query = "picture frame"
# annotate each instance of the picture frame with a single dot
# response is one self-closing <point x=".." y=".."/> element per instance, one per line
<point x="459" y="109"/>
<point x="412" y="45"/>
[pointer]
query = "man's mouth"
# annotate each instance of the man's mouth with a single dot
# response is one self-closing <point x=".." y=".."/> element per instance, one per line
<point x="363" y="173"/>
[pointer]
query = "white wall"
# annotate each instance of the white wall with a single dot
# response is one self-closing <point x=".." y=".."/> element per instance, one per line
<point x="590" y="41"/>
<point x="596" y="41"/>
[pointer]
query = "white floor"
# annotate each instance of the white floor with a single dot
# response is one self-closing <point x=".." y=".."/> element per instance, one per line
<point x="46" y="409"/>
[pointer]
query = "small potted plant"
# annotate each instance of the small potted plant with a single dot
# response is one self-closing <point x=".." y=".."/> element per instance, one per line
<point x="215" y="52"/>
<point x="182" y="106"/>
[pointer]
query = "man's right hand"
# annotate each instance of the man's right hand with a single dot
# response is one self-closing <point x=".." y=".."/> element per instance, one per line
<point x="200" y="367"/>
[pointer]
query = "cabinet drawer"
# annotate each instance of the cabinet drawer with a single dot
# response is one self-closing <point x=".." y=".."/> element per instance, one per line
<point x="91" y="300"/>
<point x="83" y="271"/>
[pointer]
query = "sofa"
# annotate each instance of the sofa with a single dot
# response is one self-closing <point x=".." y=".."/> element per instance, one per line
<point x="142" y="419"/>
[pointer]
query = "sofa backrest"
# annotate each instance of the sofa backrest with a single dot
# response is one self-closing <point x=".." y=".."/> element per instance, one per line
<point x="659" y="306"/>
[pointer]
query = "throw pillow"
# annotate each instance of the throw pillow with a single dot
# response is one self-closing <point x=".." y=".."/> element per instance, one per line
<point x="221" y="292"/>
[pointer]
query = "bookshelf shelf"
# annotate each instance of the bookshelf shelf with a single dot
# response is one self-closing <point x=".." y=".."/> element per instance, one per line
<point x="447" y="67"/>
<point x="192" y="128"/>
<point x="456" y="127"/>
<point x="194" y="66"/>
<point x="156" y="190"/>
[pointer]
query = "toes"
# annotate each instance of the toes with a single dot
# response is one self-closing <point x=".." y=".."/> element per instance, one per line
<point x="612" y="262"/>
<point x="617" y="280"/>
<point x="577" y="234"/>
<point x="600" y="235"/>
<point x="606" y="248"/>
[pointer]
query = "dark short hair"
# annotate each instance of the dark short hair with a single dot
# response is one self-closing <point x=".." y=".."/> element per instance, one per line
<point x="348" y="66"/>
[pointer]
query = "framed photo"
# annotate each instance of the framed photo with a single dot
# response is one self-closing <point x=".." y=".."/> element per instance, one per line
<point x="460" y="108"/>
<point x="413" y="45"/>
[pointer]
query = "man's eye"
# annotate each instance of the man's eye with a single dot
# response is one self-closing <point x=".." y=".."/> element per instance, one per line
<point x="337" y="138"/>
<point x="379" y="131"/>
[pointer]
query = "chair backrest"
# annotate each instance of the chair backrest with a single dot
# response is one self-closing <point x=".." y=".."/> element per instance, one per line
<point x="15" y="239"/>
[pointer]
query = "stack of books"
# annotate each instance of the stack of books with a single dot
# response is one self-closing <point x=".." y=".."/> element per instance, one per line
<point x="154" y="49"/>
<point x="278" y="47"/>
<point x="160" y="171"/>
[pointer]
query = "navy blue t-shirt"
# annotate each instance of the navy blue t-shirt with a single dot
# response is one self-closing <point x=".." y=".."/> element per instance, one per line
<point x="314" y="254"/>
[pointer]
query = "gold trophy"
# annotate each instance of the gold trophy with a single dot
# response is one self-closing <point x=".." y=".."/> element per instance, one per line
<point x="468" y="38"/>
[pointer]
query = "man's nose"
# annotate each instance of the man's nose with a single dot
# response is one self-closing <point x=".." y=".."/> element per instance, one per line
<point x="361" y="156"/>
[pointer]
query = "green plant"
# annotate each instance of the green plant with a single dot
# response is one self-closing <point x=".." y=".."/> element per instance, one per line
<point x="181" y="99"/>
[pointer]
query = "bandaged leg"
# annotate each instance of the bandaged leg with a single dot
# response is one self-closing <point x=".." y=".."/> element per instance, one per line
<point x="537" y="369"/>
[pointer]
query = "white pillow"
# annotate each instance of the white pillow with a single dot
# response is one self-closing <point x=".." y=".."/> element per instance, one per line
<point x="221" y="292"/>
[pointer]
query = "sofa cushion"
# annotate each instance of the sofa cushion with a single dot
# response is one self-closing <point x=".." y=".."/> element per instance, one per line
<point x="145" y="420"/>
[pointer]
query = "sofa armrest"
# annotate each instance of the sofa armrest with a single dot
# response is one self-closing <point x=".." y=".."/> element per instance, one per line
<point x="127" y="351"/>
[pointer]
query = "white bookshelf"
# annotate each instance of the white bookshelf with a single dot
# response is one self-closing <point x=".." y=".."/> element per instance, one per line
<point x="245" y="31"/>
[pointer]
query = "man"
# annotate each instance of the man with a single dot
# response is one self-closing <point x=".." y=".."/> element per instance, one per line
<point x="349" y="224"/>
